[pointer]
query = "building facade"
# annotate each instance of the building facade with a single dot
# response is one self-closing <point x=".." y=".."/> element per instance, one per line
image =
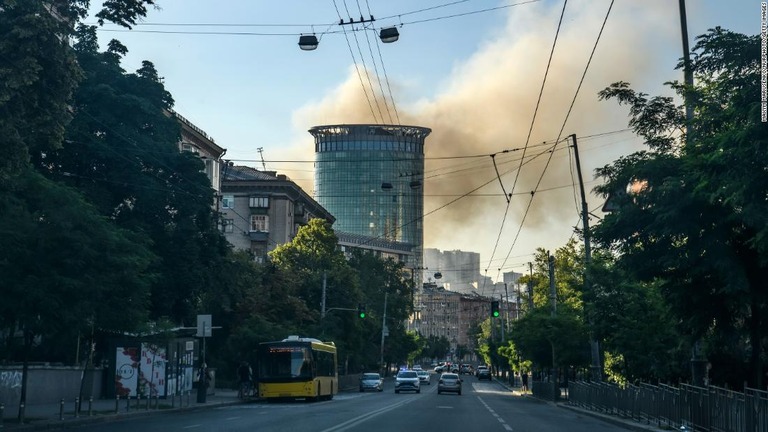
<point x="370" y="178"/>
<point x="460" y="270"/>
<point x="196" y="141"/>
<point x="262" y="209"/>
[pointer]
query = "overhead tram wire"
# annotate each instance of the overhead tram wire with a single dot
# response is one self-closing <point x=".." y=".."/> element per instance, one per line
<point x="530" y="129"/>
<point x="362" y="60"/>
<point x="357" y="68"/>
<point x="569" y="111"/>
<point x="343" y="31"/>
<point x="384" y="70"/>
<point x="375" y="65"/>
<point x="576" y="94"/>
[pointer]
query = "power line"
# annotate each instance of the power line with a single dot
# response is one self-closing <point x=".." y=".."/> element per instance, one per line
<point x="343" y="31"/>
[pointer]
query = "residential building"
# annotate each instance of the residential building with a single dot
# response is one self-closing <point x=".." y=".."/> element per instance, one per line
<point x="369" y="176"/>
<point x="460" y="270"/>
<point x="195" y="140"/>
<point x="262" y="209"/>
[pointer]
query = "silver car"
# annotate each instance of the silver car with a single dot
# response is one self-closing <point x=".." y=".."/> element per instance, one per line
<point x="371" y="381"/>
<point x="449" y="382"/>
<point x="424" y="377"/>
<point x="407" y="380"/>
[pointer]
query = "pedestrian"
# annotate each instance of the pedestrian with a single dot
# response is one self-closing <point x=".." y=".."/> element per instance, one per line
<point x="245" y="374"/>
<point x="524" y="377"/>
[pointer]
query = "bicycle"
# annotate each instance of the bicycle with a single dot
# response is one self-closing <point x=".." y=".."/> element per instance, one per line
<point x="245" y="390"/>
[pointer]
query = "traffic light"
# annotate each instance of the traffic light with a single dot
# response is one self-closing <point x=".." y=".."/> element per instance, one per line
<point x="495" y="309"/>
<point x="361" y="310"/>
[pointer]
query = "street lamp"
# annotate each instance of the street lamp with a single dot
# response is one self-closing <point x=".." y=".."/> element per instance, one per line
<point x="308" y="42"/>
<point x="389" y="34"/>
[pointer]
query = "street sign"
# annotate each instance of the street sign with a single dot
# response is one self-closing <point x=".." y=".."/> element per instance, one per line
<point x="204" y="326"/>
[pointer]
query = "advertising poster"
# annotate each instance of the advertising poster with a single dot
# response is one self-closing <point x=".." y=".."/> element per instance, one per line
<point x="126" y="371"/>
<point x="152" y="370"/>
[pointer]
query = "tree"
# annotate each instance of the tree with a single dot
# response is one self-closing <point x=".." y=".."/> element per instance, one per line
<point x="695" y="222"/>
<point x="64" y="269"/>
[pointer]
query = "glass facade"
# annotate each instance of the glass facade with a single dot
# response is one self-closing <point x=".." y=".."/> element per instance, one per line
<point x="370" y="177"/>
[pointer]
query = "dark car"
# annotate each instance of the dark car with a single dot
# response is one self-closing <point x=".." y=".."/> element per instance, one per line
<point x="484" y="373"/>
<point x="371" y="381"/>
<point x="407" y="380"/>
<point x="449" y="382"/>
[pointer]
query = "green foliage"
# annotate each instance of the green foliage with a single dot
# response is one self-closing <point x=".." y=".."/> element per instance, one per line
<point x="698" y="227"/>
<point x="64" y="267"/>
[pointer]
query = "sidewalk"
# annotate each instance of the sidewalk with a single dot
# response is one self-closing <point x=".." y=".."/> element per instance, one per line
<point x="615" y="420"/>
<point x="55" y="415"/>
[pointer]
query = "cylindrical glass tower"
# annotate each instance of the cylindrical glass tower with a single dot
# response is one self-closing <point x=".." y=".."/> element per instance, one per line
<point x="370" y="178"/>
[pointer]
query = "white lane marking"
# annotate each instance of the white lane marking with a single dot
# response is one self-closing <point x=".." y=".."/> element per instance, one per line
<point x="444" y="407"/>
<point x="231" y="418"/>
<point x="501" y="420"/>
<point x="361" y="418"/>
<point x="191" y="426"/>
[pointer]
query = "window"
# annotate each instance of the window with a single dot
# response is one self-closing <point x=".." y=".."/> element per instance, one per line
<point x="189" y="148"/>
<point x="260" y="223"/>
<point x="228" y="201"/>
<point x="229" y="225"/>
<point x="259" y="202"/>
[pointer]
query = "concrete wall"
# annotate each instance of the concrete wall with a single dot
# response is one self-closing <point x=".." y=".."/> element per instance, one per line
<point x="48" y="384"/>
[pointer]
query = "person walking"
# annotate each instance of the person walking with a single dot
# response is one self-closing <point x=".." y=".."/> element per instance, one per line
<point x="524" y="378"/>
<point x="245" y="374"/>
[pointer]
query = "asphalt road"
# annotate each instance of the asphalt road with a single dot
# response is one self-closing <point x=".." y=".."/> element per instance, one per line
<point x="483" y="406"/>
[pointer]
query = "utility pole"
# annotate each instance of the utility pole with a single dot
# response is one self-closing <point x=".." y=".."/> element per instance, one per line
<point x="503" y="322"/>
<point x="530" y="288"/>
<point x="698" y="361"/>
<point x="322" y="300"/>
<point x="383" y="334"/>
<point x="552" y="288"/>
<point x="597" y="368"/>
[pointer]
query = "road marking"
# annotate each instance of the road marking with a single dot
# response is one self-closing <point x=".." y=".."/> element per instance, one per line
<point x="444" y="407"/>
<point x="191" y="426"/>
<point x="232" y="418"/>
<point x="498" y="417"/>
<point x="359" y="419"/>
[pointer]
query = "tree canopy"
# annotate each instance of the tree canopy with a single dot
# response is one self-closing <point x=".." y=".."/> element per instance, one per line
<point x="694" y="222"/>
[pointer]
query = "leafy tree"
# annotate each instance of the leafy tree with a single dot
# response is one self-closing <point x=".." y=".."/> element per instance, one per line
<point x="64" y="269"/>
<point x="695" y="221"/>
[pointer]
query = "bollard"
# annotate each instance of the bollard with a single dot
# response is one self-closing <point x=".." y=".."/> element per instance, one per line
<point x="22" y="409"/>
<point x="2" y="414"/>
<point x="77" y="407"/>
<point x="157" y="401"/>
<point x="149" y="399"/>
<point x="90" y="406"/>
<point x="61" y="409"/>
<point x="173" y="400"/>
<point x="138" y="400"/>
<point x="117" y="404"/>
<point x="128" y="402"/>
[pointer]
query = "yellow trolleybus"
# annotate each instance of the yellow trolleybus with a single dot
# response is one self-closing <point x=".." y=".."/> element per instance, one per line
<point x="297" y="367"/>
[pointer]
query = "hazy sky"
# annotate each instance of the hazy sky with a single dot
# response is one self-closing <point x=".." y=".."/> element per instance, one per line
<point x="471" y="71"/>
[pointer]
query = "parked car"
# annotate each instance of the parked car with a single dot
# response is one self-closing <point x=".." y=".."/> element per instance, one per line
<point x="449" y="382"/>
<point x="484" y="373"/>
<point x="371" y="381"/>
<point x="407" y="380"/>
<point x="424" y="377"/>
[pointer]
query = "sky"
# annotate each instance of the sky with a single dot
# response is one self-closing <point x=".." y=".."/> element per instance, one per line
<point x="473" y="71"/>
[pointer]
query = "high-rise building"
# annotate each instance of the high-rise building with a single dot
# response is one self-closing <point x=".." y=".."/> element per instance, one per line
<point x="370" y="177"/>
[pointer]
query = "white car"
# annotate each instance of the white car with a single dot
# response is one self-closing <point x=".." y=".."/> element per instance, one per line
<point x="407" y="380"/>
<point x="424" y="377"/>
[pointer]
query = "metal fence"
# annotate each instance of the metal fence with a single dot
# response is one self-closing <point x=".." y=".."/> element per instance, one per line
<point x="698" y="409"/>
